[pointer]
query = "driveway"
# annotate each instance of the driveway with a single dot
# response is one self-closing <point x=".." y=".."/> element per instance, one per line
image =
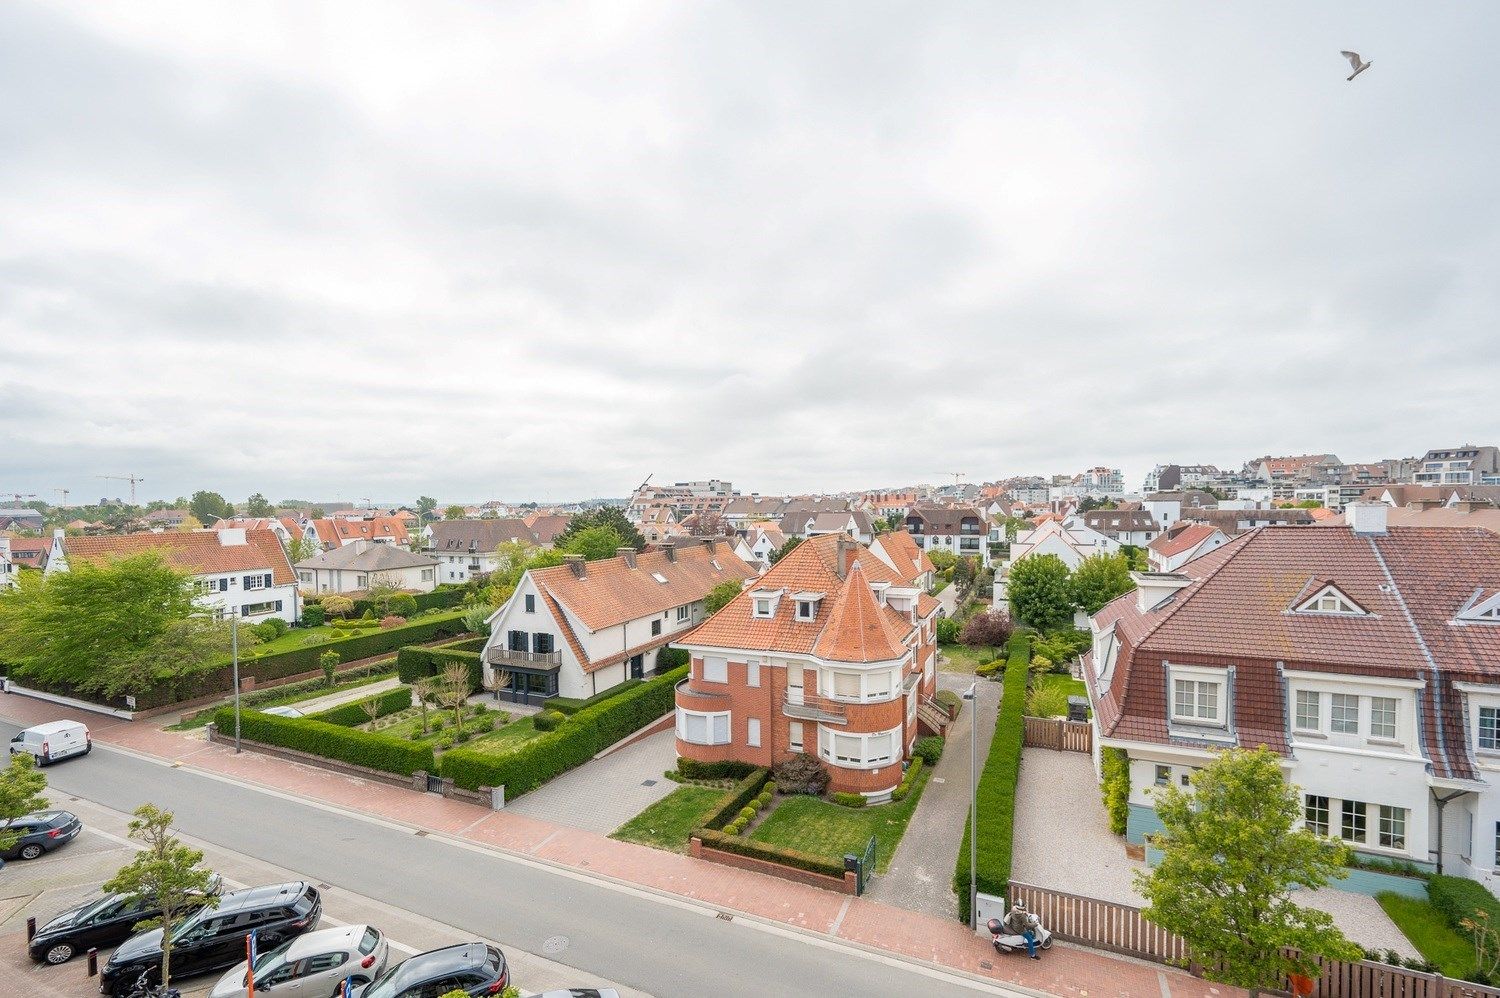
<point x="1063" y="842"/>
<point x="603" y="794"/>
<point x="920" y="877"/>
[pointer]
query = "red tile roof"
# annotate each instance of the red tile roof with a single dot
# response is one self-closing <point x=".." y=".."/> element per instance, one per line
<point x="199" y="552"/>
<point x="1182" y="538"/>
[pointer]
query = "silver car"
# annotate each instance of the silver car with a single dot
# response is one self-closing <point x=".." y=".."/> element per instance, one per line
<point x="314" y="964"/>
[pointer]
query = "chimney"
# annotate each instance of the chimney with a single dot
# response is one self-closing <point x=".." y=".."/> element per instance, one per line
<point x="58" y="533"/>
<point x="712" y="544"/>
<point x="671" y="550"/>
<point x="841" y="552"/>
<point x="576" y="563"/>
<point x="628" y="553"/>
<point x="1367" y="519"/>
<point x="232" y="537"/>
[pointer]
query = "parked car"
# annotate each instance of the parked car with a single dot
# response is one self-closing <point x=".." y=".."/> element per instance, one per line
<point x="53" y="741"/>
<point x="214" y="938"/>
<point x="98" y="923"/>
<point x="477" y="968"/>
<point x="314" y="964"/>
<point x="41" y="832"/>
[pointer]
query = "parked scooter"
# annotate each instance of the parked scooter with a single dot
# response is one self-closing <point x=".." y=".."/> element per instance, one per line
<point x="145" y="989"/>
<point x="1008" y="942"/>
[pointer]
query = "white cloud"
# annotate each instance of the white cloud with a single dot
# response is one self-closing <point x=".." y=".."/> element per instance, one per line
<point x="538" y="250"/>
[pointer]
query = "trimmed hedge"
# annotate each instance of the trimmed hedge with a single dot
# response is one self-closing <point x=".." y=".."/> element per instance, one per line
<point x="297" y="660"/>
<point x="578" y="740"/>
<point x="444" y="597"/>
<point x="771" y="854"/>
<point x="572" y="705"/>
<point x="1115" y="763"/>
<point x="1458" y="898"/>
<point x="692" y="769"/>
<point x="929" y="749"/>
<point x="360" y="748"/>
<point x="744" y="792"/>
<point x="547" y="720"/>
<point x="908" y="781"/>
<point x="849" y="800"/>
<point x="997" y="786"/>
<point x="413" y="663"/>
<point x="347" y="715"/>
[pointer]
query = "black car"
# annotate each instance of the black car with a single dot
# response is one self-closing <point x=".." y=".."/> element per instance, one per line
<point x="213" y="938"/>
<point x="40" y="832"/>
<point x="100" y="923"/>
<point x="476" y="968"/>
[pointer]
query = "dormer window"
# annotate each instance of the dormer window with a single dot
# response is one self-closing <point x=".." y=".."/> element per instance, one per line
<point x="806" y="609"/>
<point x="1330" y="600"/>
<point x="1482" y="609"/>
<point x="765" y="607"/>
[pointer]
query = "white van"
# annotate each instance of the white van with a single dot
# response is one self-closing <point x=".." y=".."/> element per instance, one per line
<point x="54" y="740"/>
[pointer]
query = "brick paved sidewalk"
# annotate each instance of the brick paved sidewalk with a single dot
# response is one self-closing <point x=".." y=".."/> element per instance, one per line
<point x="862" y="922"/>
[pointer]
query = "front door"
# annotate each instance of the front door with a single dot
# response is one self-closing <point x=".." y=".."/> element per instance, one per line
<point x="637" y="666"/>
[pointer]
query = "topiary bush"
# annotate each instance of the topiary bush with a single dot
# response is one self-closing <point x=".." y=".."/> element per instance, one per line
<point x="547" y="720"/>
<point x="313" y="616"/>
<point x="849" y="800"/>
<point x="928" y="749"/>
<point x="746" y="790"/>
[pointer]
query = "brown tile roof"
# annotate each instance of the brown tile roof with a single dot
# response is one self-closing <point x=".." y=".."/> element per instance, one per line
<point x="903" y="549"/>
<point x="1229" y="520"/>
<point x="1437" y="516"/>
<point x="811" y="566"/>
<point x="480" y="536"/>
<point x="547" y="526"/>
<point x="1182" y="537"/>
<point x="611" y="592"/>
<point x="1238" y="612"/>
<point x="1118" y="521"/>
<point x="198" y="552"/>
<point x="859" y="629"/>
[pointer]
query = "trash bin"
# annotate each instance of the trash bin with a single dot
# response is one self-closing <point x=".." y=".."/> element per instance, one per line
<point x="1078" y="708"/>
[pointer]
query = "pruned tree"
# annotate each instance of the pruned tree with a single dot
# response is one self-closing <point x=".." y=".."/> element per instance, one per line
<point x="1039" y="593"/>
<point x="335" y="605"/>
<point x="497" y="680"/>
<point x="424" y="690"/>
<point x="21" y="786"/>
<point x="166" y="873"/>
<point x="453" y="691"/>
<point x="1233" y="850"/>
<point x="329" y="663"/>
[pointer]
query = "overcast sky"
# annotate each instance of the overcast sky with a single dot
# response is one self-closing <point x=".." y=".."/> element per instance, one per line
<point x="539" y="250"/>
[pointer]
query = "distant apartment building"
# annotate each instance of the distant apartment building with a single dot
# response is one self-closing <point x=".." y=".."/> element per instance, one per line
<point x="1466" y="465"/>
<point x="959" y="530"/>
<point x="466" y="548"/>
<point x="708" y="487"/>
<point x="1098" y="483"/>
<point x="1168" y="477"/>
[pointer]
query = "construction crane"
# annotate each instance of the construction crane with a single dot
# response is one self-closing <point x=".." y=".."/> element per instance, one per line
<point x="17" y="496"/>
<point x="956" y="476"/>
<point x="132" y="479"/>
<point x="64" y="494"/>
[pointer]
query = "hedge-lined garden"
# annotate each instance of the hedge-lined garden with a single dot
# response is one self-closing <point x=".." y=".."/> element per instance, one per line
<point x="445" y="597"/>
<point x="414" y="663"/>
<point x="348" y="715"/>
<point x="575" y="741"/>
<point x="997" y="786"/>
<point x="728" y="812"/>
<point x="332" y="741"/>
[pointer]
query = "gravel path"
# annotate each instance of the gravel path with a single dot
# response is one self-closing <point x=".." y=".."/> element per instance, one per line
<point x="920" y="877"/>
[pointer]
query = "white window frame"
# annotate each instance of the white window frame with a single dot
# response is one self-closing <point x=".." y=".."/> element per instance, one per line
<point x="1338" y="702"/>
<point x="684" y="612"/>
<point x="752" y="732"/>
<point x="764" y="608"/>
<point x="1299" y="716"/>
<point x="1379" y="729"/>
<point x="752" y="673"/>
<point x="869" y="755"/>
<point x="807" y="609"/>
<point x="1329" y="600"/>
<point x="716" y="726"/>
<point x="715" y="670"/>
<point x="794" y="736"/>
<point x="1217" y="679"/>
<point x="1494" y="726"/>
<point x="868" y="692"/>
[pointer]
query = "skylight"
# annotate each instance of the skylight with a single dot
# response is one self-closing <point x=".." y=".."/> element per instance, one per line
<point x="659" y="577"/>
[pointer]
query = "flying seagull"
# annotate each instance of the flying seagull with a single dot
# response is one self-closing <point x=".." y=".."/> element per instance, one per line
<point x="1354" y="60"/>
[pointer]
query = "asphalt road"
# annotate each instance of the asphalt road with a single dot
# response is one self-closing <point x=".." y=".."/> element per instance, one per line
<point x="643" y="941"/>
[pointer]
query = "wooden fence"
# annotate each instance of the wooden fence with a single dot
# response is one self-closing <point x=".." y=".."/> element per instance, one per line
<point x="1057" y="733"/>
<point x="1121" y="928"/>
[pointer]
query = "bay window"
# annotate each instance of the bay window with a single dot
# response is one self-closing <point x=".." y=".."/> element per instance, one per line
<point x="860" y="687"/>
<point x="859" y="750"/>
<point x="703" y="728"/>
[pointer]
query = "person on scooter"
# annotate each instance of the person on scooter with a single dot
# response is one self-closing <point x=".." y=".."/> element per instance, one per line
<point x="1020" y="922"/>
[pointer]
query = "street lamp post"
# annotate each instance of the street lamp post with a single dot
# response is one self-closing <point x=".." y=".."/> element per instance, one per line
<point x="973" y="698"/>
<point x="234" y="660"/>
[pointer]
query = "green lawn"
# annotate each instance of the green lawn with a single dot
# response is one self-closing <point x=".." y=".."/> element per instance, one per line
<point x="815" y="826"/>
<point x="962" y="658"/>
<point x="1050" y="692"/>
<point x="666" y="824"/>
<point x="1430" y="933"/>
<point x="506" y="739"/>
<point x="503" y="739"/>
<point x="202" y="717"/>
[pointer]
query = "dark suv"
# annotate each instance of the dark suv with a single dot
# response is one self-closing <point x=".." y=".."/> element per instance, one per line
<point x="475" y="968"/>
<point x="213" y="938"/>
<point x="40" y="832"/>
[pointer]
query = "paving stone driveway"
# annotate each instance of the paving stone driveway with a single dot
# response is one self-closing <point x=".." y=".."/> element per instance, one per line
<point x="602" y="795"/>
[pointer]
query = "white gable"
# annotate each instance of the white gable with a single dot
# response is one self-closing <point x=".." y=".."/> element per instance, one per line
<point x="1330" y="599"/>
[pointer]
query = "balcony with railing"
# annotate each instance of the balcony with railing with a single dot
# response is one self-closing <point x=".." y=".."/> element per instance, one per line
<point x="811" y="707"/>
<point x="705" y="698"/>
<point x="525" y="659"/>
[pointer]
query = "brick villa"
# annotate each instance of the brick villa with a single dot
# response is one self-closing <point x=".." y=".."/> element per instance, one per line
<point x="831" y="652"/>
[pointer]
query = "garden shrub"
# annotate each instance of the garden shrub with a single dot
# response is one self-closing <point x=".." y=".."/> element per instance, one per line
<point x="1047" y="701"/>
<point x="361" y="748"/>
<point x="445" y="597"/>
<point x="746" y="790"/>
<point x="349" y="715"/>
<point x="547" y="720"/>
<point x="727" y="770"/>
<point x="747" y="812"/>
<point x="734" y="828"/>
<point x="948" y="630"/>
<point x="270" y="630"/>
<point x="1116" y="787"/>
<point x="988" y="669"/>
<point x="950" y="702"/>
<point x="313" y="616"/>
<point x="996" y="792"/>
<point x="403" y="605"/>
<point x="908" y="780"/>
<point x="572" y="705"/>
<point x="849" y="800"/>
<point x="802" y="774"/>
<point x="588" y="732"/>
<point x="929" y="749"/>
<point x="392" y="621"/>
<point x="413" y="663"/>
<point x="668" y="659"/>
<point x="1458" y="898"/>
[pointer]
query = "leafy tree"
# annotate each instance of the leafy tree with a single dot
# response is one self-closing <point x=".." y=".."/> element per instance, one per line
<point x="942" y="560"/>
<point x="453" y="691"/>
<point x="257" y="505"/>
<point x="299" y="548"/>
<point x="21" y="786"/>
<point x="209" y="506"/>
<point x="785" y="549"/>
<point x="335" y="605"/>
<point x="1307" y="504"/>
<point x="1233" y="850"/>
<point x="426" y="508"/>
<point x="185" y="647"/>
<point x="328" y="662"/>
<point x="78" y="627"/>
<point x="605" y="516"/>
<point x="477" y="619"/>
<point x="1039" y="592"/>
<point x="454" y="512"/>
<point x="1099" y="579"/>
<point x="167" y="873"/>
<point x="709" y="524"/>
<point x="990" y="629"/>
<point x="594" y="543"/>
<point x="720" y="596"/>
<point x="189" y="523"/>
<point x="381" y="593"/>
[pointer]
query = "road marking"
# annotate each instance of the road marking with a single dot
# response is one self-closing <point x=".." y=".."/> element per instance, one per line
<point x="833" y="929"/>
<point x="604" y="881"/>
<point x="550" y="836"/>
